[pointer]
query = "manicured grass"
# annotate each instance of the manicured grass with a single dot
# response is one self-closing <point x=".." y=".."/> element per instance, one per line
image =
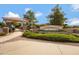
<point x="52" y="36"/>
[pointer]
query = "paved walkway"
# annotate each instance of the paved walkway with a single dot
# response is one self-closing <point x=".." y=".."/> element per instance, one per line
<point x="25" y="46"/>
<point x="10" y="36"/>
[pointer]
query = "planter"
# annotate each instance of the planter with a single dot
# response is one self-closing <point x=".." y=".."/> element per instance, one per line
<point x="6" y="30"/>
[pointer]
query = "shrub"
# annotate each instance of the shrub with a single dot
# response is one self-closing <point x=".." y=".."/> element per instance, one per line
<point x="2" y="24"/>
<point x="17" y="25"/>
<point x="52" y="37"/>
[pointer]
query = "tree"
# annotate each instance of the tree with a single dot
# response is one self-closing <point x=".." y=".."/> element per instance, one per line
<point x="2" y="24"/>
<point x="31" y="16"/>
<point x="65" y="26"/>
<point x="32" y="19"/>
<point x="56" y="17"/>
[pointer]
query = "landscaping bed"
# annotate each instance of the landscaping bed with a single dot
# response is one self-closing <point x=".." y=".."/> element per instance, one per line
<point x="52" y="36"/>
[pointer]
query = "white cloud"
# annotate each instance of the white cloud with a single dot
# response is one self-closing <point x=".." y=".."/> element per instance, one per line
<point x="37" y="14"/>
<point x="11" y="14"/>
<point x="27" y="9"/>
<point x="73" y="21"/>
<point x="75" y="7"/>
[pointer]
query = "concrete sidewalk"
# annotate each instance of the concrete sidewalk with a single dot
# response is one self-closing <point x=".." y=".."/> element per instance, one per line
<point x="27" y="46"/>
<point x="10" y="36"/>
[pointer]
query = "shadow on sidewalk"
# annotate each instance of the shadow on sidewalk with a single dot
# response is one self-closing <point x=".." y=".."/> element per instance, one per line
<point x="11" y="40"/>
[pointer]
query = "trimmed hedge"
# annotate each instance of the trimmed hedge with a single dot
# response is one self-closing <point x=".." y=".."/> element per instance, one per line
<point x="52" y="37"/>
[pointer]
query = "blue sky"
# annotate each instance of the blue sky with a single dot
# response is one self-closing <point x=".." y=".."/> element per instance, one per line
<point x="41" y="11"/>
